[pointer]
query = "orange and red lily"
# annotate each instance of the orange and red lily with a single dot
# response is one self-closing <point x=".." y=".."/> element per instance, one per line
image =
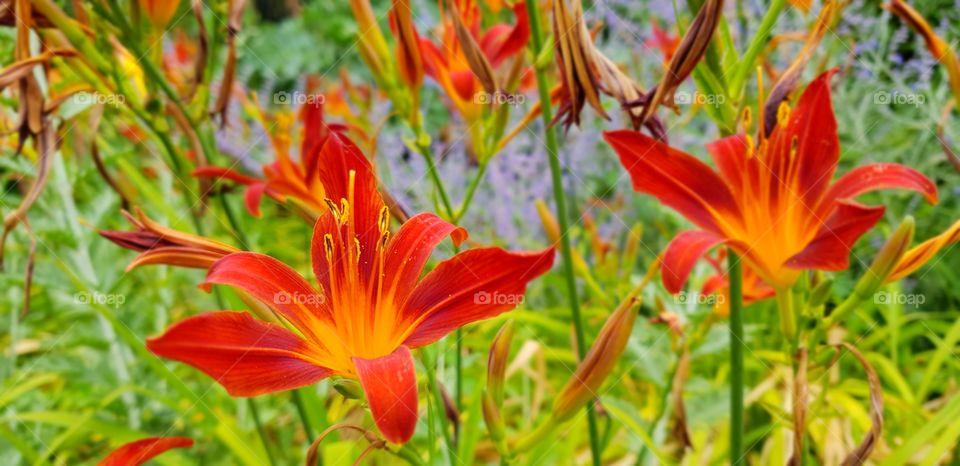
<point x="448" y="64"/>
<point x="772" y="202"/>
<point x="140" y="451"/>
<point x="371" y="307"/>
<point x="285" y="178"/>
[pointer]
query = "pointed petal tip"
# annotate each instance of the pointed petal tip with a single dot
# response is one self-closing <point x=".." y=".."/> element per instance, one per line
<point x="390" y="383"/>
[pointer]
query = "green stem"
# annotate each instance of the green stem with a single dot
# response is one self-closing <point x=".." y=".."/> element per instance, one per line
<point x="788" y="317"/>
<point x="260" y="430"/>
<point x="304" y="419"/>
<point x="560" y="199"/>
<point x="736" y="359"/>
<point x="427" y="153"/>
<point x="756" y="46"/>
<point x="471" y="190"/>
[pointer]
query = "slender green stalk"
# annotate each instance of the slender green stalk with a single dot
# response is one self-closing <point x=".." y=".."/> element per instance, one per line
<point x="427" y="154"/>
<point x="559" y="196"/>
<point x="261" y="431"/>
<point x="759" y="41"/>
<point x="736" y="359"/>
<point x="304" y="419"/>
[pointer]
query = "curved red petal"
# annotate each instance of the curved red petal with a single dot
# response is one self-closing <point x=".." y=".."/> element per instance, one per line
<point x="677" y="179"/>
<point x="390" y="383"/>
<point x="876" y="176"/>
<point x="803" y="155"/>
<point x="252" y="198"/>
<point x="473" y="285"/>
<point x="409" y="251"/>
<point x="730" y="156"/>
<point x="830" y="248"/>
<point x="682" y="254"/>
<point x="276" y="285"/>
<point x="218" y="173"/>
<point x="339" y="156"/>
<point x="247" y="356"/>
<point x="498" y="45"/>
<point x="140" y="451"/>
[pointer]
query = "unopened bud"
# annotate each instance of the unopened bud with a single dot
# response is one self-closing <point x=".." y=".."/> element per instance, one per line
<point x="887" y="259"/>
<point x="497" y="361"/>
<point x="550" y="226"/>
<point x="494" y="421"/>
<point x="349" y="388"/>
<point x="598" y="363"/>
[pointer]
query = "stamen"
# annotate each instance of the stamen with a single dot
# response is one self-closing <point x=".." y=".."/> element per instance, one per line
<point x="384" y="221"/>
<point x="356" y="243"/>
<point x="783" y="114"/>
<point x="344" y="210"/>
<point x="333" y="209"/>
<point x="746" y="119"/>
<point x="750" y="146"/>
<point x="328" y="246"/>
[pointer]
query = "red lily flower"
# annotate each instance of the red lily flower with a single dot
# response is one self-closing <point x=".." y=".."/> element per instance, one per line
<point x="370" y="310"/>
<point x="143" y="450"/>
<point x="285" y="178"/>
<point x="448" y="64"/>
<point x="664" y="41"/>
<point x="773" y="203"/>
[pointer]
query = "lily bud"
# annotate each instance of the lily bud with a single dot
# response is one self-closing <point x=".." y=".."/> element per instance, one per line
<point x="408" y="45"/>
<point x="887" y="259"/>
<point x="349" y="388"/>
<point x="497" y="361"/>
<point x="160" y="12"/>
<point x="598" y="363"/>
<point x="938" y="47"/>
<point x="158" y="244"/>
<point x="550" y="226"/>
<point x="494" y="421"/>
<point x="821" y="293"/>
<point x="922" y="253"/>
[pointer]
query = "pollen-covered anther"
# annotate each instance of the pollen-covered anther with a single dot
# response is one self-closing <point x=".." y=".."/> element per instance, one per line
<point x="344" y="210"/>
<point x="356" y="245"/>
<point x="328" y="246"/>
<point x="384" y="221"/>
<point x="783" y="114"/>
<point x="333" y="209"/>
<point x="750" y="146"/>
<point x="746" y="119"/>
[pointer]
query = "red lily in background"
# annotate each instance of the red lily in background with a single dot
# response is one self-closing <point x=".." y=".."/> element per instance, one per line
<point x="370" y="310"/>
<point x="447" y="63"/>
<point x="773" y="203"/>
<point x="285" y="178"/>
<point x="143" y="450"/>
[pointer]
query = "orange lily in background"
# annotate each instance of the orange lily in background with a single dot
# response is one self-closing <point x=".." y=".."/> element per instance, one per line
<point x="664" y="41"/>
<point x="448" y="64"/>
<point x="371" y="307"/>
<point x="773" y="202"/>
<point x="143" y="450"/>
<point x="160" y="12"/>
<point x="285" y="178"/>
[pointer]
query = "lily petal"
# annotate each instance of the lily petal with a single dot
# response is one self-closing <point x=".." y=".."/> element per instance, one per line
<point x="409" y="251"/>
<point x="682" y="254"/>
<point x="218" y="173"/>
<point x="140" y="451"/>
<point x="730" y="156"/>
<point x="922" y="253"/>
<point x="830" y="248"/>
<point x="247" y="356"/>
<point x="276" y="285"/>
<point x="876" y="176"/>
<point x="473" y="285"/>
<point x="679" y="180"/>
<point x="390" y="383"/>
<point x="803" y="155"/>
<point x="252" y="198"/>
